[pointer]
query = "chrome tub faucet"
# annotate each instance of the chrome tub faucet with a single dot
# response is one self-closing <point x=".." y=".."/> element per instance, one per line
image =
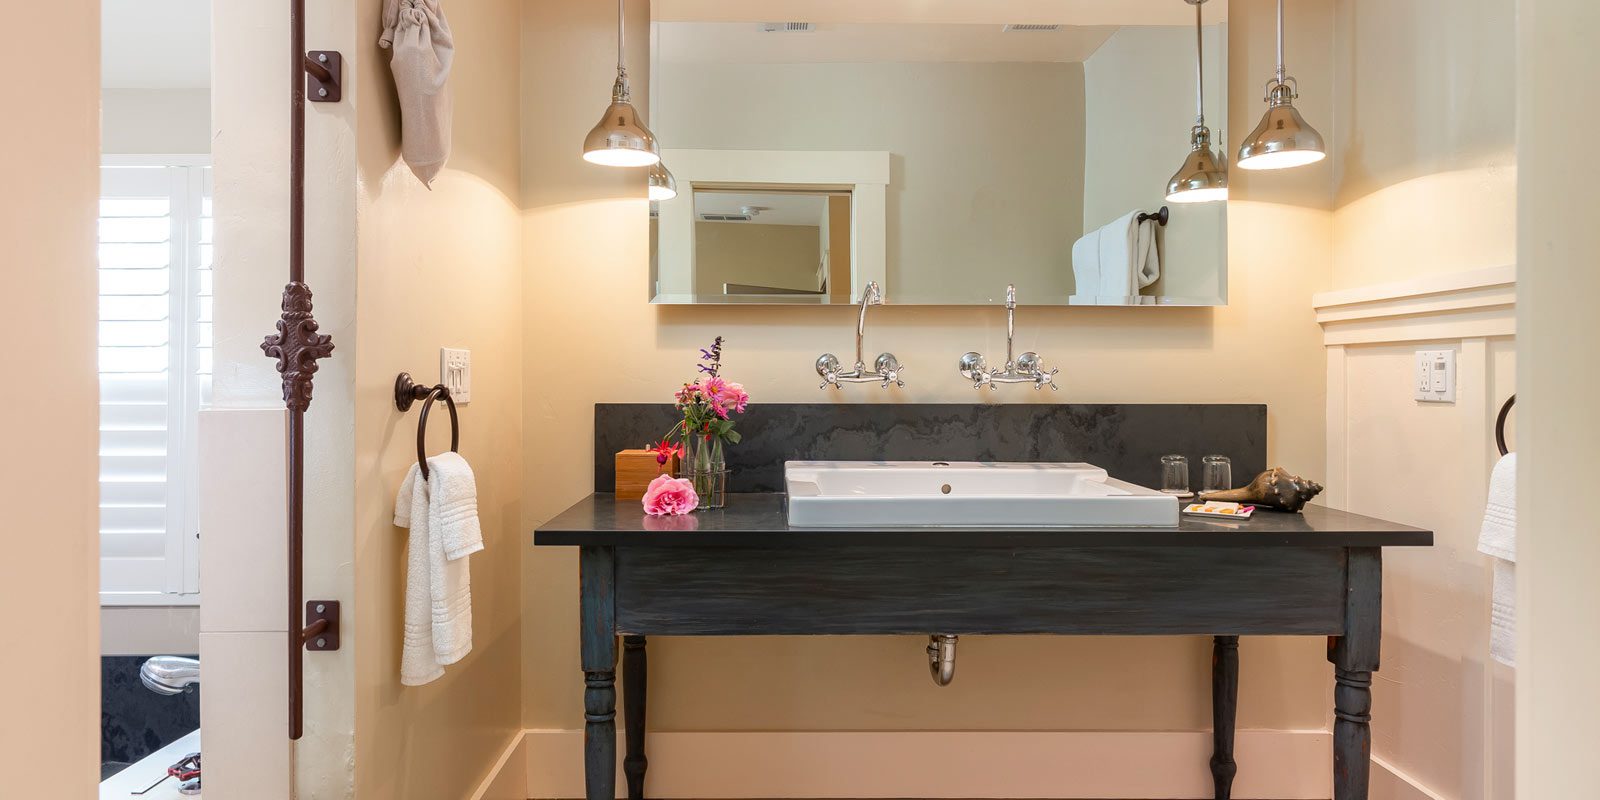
<point x="886" y="369"/>
<point x="1026" y="368"/>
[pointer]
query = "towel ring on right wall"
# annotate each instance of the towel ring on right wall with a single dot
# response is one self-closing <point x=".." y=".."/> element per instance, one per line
<point x="1500" y="425"/>
<point x="406" y="392"/>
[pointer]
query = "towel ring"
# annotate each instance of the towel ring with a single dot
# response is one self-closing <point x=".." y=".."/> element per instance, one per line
<point x="406" y="392"/>
<point x="1500" y="425"/>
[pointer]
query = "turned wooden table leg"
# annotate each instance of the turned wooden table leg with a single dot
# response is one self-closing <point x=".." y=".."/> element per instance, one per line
<point x="597" y="621"/>
<point x="1355" y="658"/>
<point x="635" y="676"/>
<point x="1224" y="709"/>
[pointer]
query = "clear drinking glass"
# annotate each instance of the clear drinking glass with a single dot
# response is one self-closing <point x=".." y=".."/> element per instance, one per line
<point x="1216" y="474"/>
<point x="1175" y="474"/>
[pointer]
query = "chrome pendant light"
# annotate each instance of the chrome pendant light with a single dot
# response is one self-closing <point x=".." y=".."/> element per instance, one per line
<point x="1283" y="139"/>
<point x="620" y="139"/>
<point x="662" y="185"/>
<point x="1203" y="176"/>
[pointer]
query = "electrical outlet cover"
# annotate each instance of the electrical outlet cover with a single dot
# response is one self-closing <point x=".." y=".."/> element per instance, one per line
<point x="1435" y="376"/>
<point x="455" y="372"/>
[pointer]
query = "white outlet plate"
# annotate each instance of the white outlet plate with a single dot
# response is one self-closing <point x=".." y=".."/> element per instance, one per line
<point x="455" y="372"/>
<point x="1434" y="378"/>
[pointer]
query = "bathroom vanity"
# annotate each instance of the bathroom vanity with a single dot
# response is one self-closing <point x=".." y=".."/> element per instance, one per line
<point x="745" y="570"/>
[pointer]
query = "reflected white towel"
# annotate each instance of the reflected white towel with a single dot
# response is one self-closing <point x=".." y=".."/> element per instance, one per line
<point x="442" y="513"/>
<point x="1113" y="262"/>
<point x="1498" y="538"/>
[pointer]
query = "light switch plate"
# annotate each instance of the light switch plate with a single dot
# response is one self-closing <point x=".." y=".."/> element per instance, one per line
<point x="455" y="372"/>
<point x="1435" y="380"/>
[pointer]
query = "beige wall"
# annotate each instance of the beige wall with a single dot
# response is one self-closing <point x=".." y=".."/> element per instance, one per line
<point x="585" y="235"/>
<point x="438" y="268"/>
<point x="1425" y="184"/>
<point x="963" y="200"/>
<point x="48" y="226"/>
<point x="1557" y="549"/>
<point x="167" y="121"/>
<point x="785" y="256"/>
<point x="1425" y="174"/>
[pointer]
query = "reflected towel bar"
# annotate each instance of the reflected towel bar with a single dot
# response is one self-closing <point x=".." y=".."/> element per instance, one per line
<point x="1159" y="216"/>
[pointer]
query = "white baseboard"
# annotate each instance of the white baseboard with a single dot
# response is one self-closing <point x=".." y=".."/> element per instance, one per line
<point x="1389" y="783"/>
<point x="508" y="778"/>
<point x="1115" y="765"/>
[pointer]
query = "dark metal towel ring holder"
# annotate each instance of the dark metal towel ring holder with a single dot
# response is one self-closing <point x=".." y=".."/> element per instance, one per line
<point x="406" y="392"/>
<point x="1500" y="425"/>
<point x="1159" y="216"/>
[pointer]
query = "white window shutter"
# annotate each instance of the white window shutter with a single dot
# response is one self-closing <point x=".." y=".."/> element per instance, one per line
<point x="154" y="336"/>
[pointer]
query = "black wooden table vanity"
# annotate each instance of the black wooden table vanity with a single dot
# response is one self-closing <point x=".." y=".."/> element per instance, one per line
<point x="743" y="571"/>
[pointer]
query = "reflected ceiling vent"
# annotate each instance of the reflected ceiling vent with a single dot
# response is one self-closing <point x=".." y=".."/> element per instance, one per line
<point x="1031" y="28"/>
<point x="788" y="27"/>
<point x="745" y="214"/>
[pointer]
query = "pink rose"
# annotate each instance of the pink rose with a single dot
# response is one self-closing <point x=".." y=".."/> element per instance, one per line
<point x="668" y="496"/>
<point x="735" y="398"/>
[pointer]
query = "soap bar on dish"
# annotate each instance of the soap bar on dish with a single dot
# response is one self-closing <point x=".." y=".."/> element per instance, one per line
<point x="1220" y="510"/>
<point x="636" y="469"/>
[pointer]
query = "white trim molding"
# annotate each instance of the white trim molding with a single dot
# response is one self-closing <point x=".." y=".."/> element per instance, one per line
<point x="1112" y="765"/>
<point x="1457" y="305"/>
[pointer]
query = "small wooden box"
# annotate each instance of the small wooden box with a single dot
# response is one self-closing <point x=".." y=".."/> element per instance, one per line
<point x="636" y="469"/>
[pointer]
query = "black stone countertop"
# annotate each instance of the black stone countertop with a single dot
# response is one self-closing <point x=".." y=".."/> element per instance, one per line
<point x="761" y="520"/>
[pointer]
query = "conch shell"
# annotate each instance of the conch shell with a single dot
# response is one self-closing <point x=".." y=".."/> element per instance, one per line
<point x="1275" y="488"/>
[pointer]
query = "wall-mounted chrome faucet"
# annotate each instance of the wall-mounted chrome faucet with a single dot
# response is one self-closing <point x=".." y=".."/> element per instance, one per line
<point x="1026" y="368"/>
<point x="886" y="369"/>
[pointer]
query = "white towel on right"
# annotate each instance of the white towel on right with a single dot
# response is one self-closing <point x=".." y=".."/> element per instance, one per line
<point x="1498" y="538"/>
<point x="1113" y="262"/>
<point x="442" y="514"/>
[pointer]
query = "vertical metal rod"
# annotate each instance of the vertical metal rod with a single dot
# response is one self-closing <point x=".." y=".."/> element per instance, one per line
<point x="297" y="274"/>
<point x="1281" y="70"/>
<point x="621" y="67"/>
<point x="1199" y="68"/>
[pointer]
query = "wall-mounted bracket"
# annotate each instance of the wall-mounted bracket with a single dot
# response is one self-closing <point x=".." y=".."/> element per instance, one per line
<point x="322" y="625"/>
<point x="324" y="71"/>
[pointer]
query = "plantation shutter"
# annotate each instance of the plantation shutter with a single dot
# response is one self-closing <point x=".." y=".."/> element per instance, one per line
<point x="155" y="368"/>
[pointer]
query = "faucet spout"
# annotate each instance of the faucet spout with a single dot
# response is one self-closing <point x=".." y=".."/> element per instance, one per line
<point x="1011" y="322"/>
<point x="942" y="658"/>
<point x="871" y="296"/>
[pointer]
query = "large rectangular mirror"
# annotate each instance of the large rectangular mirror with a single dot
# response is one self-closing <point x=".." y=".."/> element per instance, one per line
<point x="943" y="153"/>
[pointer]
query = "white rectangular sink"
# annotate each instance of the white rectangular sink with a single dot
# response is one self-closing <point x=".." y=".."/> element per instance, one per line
<point x="848" y="494"/>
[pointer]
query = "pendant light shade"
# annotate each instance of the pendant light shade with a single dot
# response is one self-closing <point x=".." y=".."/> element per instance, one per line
<point x="620" y="139"/>
<point x="1283" y="139"/>
<point x="1203" y="177"/>
<point x="662" y="185"/>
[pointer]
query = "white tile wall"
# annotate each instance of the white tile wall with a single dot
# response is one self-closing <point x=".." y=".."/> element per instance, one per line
<point x="242" y="520"/>
<point x="244" y="715"/>
<point x="243" y="627"/>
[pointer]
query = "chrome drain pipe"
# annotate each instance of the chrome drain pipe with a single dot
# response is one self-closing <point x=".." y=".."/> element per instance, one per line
<point x="942" y="658"/>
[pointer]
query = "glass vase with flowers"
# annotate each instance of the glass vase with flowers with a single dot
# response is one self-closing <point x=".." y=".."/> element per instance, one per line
<point x="708" y="406"/>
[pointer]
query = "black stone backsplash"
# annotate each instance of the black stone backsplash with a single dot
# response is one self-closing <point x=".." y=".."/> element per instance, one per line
<point x="134" y="721"/>
<point x="1128" y="440"/>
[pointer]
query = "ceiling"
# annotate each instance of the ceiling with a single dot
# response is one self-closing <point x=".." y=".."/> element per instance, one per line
<point x="155" y="44"/>
<point x="783" y="209"/>
<point x="748" y="43"/>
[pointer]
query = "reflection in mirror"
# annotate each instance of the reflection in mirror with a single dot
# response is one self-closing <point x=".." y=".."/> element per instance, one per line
<point x="1021" y="154"/>
<point x="773" y="246"/>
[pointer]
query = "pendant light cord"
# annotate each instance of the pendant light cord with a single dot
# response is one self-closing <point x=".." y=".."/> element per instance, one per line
<point x="1281" y="71"/>
<point x="622" y="68"/>
<point x="620" y="92"/>
<point x="1199" y="69"/>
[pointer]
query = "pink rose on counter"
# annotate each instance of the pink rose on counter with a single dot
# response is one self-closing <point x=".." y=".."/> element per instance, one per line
<point x="669" y="496"/>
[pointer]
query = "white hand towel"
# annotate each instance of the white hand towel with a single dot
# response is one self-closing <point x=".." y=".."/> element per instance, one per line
<point x="442" y="514"/>
<point x="423" y="51"/>
<point x="1113" y="262"/>
<point x="1498" y="538"/>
